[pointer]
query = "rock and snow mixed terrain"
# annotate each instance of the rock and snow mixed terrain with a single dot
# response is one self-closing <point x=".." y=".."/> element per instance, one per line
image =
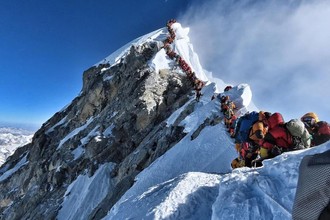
<point x="135" y="144"/>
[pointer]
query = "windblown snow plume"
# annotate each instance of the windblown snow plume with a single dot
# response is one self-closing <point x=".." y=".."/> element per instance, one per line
<point x="280" y="48"/>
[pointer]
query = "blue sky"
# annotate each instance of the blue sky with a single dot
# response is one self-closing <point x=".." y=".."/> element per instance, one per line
<point x="46" y="45"/>
<point x="282" y="50"/>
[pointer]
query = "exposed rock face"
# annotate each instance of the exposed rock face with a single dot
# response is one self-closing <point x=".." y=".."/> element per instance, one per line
<point x="118" y="117"/>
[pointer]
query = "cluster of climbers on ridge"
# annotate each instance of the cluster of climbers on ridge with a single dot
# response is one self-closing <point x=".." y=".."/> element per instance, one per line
<point x="258" y="135"/>
<point x="262" y="135"/>
<point x="197" y="83"/>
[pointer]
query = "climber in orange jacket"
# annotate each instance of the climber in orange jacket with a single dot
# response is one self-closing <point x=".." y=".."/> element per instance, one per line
<point x="247" y="153"/>
<point x="260" y="128"/>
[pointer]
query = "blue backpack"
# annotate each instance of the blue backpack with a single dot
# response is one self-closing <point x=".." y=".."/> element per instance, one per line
<point x="243" y="126"/>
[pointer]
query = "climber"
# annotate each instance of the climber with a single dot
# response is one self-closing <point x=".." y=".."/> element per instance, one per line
<point x="260" y="128"/>
<point x="172" y="33"/>
<point x="237" y="163"/>
<point x="198" y="85"/>
<point x="319" y="130"/>
<point x="268" y="147"/>
<point x="170" y="22"/>
<point x="320" y="133"/>
<point x="243" y="126"/>
<point x="285" y="137"/>
<point x="309" y="120"/>
<point x="249" y="153"/>
<point x="228" y="108"/>
<point x="190" y="74"/>
<point x="231" y="127"/>
<point x="169" y="40"/>
<point x="223" y="100"/>
<point x="171" y="54"/>
<point x="166" y="46"/>
<point x="228" y="117"/>
<point x="300" y="136"/>
<point x="228" y="88"/>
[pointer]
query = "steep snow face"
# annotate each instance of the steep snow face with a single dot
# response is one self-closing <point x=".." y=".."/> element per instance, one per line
<point x="119" y="117"/>
<point x="211" y="151"/>
<point x="190" y="194"/>
<point x="115" y="57"/>
<point x="183" y="47"/>
<point x="262" y="193"/>
<point x="11" y="139"/>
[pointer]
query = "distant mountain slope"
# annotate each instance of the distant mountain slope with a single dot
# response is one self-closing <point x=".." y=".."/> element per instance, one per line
<point x="11" y="139"/>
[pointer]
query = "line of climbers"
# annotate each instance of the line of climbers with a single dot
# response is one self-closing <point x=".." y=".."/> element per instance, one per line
<point x="258" y="135"/>
<point x="262" y="135"/>
<point x="196" y="83"/>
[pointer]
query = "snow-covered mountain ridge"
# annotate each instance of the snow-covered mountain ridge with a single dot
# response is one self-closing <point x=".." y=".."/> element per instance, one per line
<point x="11" y="139"/>
<point x="135" y="144"/>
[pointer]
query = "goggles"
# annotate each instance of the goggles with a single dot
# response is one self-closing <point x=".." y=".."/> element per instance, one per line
<point x="309" y="121"/>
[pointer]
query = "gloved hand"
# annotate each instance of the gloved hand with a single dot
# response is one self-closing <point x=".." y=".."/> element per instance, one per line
<point x="276" y="150"/>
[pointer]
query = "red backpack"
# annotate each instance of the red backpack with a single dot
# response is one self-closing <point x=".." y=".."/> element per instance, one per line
<point x="274" y="120"/>
<point x="323" y="128"/>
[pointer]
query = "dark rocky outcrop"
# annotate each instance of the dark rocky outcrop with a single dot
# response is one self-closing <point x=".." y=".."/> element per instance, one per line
<point x="118" y="117"/>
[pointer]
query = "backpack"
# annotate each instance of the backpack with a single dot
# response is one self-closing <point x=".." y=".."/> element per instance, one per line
<point x="323" y="128"/>
<point x="295" y="127"/>
<point x="301" y="137"/>
<point x="246" y="122"/>
<point x="248" y="153"/>
<point x="321" y="134"/>
<point x="279" y="136"/>
<point x="274" y="120"/>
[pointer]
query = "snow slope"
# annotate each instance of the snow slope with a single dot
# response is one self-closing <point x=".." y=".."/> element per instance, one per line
<point x="85" y="193"/>
<point x="11" y="139"/>
<point x="263" y="193"/>
<point x="194" y="180"/>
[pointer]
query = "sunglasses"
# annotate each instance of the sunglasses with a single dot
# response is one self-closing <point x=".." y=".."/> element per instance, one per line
<point x="309" y="121"/>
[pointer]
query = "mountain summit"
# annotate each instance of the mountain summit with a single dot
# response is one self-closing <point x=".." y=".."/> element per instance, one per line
<point x="112" y="131"/>
<point x="136" y="144"/>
